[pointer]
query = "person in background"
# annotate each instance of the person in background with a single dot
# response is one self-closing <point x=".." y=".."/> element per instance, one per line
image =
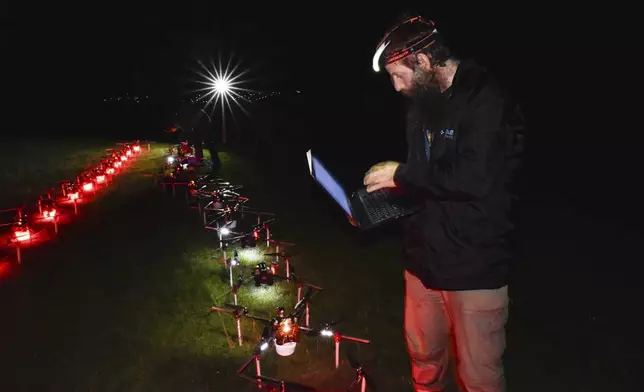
<point x="465" y="141"/>
<point x="211" y="143"/>
<point x="196" y="123"/>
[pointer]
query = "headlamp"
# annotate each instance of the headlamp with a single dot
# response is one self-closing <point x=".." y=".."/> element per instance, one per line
<point x="425" y="35"/>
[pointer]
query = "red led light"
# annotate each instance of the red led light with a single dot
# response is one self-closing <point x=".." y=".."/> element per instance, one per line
<point x="49" y="214"/>
<point x="22" y="234"/>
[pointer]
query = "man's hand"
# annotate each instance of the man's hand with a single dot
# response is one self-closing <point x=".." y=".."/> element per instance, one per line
<point x="381" y="176"/>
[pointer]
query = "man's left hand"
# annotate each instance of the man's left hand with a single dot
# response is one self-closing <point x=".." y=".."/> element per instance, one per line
<point x="381" y="176"/>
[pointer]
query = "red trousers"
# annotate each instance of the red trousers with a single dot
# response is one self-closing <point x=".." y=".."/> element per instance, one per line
<point x="473" y="320"/>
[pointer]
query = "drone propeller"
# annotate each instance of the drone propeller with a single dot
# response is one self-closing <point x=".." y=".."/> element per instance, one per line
<point x="361" y="373"/>
<point x="212" y="180"/>
<point x="236" y="308"/>
<point x="281" y="255"/>
<point x="263" y="223"/>
<point x="325" y="327"/>
<point x="300" y="306"/>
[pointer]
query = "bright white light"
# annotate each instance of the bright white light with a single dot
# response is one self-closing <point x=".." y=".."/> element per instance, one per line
<point x="222" y="84"/>
<point x="376" y="56"/>
<point x="264" y="346"/>
<point x="170" y="160"/>
<point x="224" y="231"/>
<point x="326" y="332"/>
<point x="251" y="254"/>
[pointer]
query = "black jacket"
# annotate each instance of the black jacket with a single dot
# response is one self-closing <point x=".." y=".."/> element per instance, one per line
<point x="461" y="163"/>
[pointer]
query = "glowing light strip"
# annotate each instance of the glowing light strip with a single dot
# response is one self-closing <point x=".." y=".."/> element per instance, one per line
<point x="376" y="56"/>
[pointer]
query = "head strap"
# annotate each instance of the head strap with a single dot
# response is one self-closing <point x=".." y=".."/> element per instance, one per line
<point x="410" y="48"/>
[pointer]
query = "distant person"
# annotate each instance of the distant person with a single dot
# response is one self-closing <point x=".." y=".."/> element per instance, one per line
<point x="464" y="137"/>
<point x="190" y="119"/>
<point x="196" y="122"/>
<point x="175" y="135"/>
<point x="211" y="142"/>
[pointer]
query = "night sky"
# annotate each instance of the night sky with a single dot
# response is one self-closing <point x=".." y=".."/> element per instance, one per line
<point x="96" y="51"/>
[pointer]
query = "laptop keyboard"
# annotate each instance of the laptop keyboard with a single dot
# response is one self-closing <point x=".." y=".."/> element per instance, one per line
<point x="378" y="206"/>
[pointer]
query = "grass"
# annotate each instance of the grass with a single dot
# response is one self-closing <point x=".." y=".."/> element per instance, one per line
<point x="32" y="167"/>
<point x="120" y="301"/>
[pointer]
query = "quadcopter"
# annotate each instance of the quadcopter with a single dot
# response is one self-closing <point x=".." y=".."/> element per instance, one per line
<point x="47" y="208"/>
<point x="263" y="274"/>
<point x="20" y="227"/>
<point x="283" y="332"/>
<point x="269" y="384"/>
<point x="279" y="320"/>
<point x="228" y="237"/>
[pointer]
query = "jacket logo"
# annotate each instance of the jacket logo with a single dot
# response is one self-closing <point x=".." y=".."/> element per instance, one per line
<point x="447" y="133"/>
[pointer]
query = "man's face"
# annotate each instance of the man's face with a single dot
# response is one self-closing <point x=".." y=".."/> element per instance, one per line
<point x="411" y="77"/>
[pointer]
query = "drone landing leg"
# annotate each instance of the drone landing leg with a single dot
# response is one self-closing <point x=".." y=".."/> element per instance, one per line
<point x="299" y="292"/>
<point x="363" y="384"/>
<point x="239" y="333"/>
<point x="337" y="352"/>
<point x="56" y="224"/>
<point x="75" y="207"/>
<point x="268" y="237"/>
<point x="18" y="255"/>
<point x="307" y="315"/>
<point x="230" y="269"/>
<point x="258" y="371"/>
<point x="288" y="269"/>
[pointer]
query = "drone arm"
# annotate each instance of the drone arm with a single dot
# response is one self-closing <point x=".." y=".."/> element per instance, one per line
<point x="358" y="340"/>
<point x="245" y="366"/>
<point x="223" y="310"/>
<point x="257" y="318"/>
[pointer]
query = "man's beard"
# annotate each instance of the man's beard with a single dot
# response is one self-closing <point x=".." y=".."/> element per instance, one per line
<point x="426" y="96"/>
<point x="424" y="86"/>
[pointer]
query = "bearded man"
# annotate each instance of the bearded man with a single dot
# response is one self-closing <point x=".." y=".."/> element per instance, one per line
<point x="465" y="139"/>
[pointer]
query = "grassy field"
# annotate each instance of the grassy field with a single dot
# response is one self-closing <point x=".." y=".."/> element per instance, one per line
<point x="120" y="301"/>
<point x="32" y="167"/>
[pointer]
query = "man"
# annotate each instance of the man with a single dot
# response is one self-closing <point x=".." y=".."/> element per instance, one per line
<point x="197" y="127"/>
<point x="464" y="139"/>
<point x="190" y="119"/>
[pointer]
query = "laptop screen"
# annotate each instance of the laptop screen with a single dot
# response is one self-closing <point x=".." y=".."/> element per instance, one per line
<point x="333" y="187"/>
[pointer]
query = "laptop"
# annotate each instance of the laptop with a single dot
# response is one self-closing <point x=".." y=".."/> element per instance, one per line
<point x="367" y="210"/>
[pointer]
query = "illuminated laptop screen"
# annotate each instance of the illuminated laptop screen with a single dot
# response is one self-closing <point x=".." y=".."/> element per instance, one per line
<point x="324" y="178"/>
